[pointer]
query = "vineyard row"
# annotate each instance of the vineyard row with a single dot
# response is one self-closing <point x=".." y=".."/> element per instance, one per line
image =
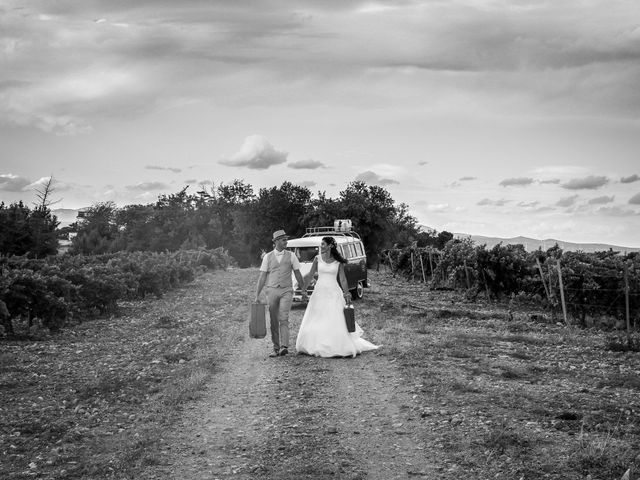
<point x="62" y="289"/>
<point x="581" y="286"/>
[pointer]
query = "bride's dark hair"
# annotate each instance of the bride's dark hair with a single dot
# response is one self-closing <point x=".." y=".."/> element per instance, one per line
<point x="334" y="249"/>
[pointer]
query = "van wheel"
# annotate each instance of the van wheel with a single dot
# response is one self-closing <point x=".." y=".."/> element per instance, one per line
<point x="358" y="292"/>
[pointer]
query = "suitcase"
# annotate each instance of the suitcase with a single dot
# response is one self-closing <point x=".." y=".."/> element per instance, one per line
<point x="350" y="318"/>
<point x="257" y="320"/>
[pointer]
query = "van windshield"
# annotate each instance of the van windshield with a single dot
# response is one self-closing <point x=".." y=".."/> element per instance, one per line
<point x="305" y="254"/>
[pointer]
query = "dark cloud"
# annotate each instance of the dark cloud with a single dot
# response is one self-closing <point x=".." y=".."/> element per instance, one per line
<point x="635" y="200"/>
<point x="567" y="201"/>
<point x="466" y="179"/>
<point x="256" y="153"/>
<point x="372" y="178"/>
<point x="521" y="181"/>
<point x="601" y="200"/>
<point x="422" y="163"/>
<point x="146" y="186"/>
<point x="630" y="178"/>
<point x="156" y="167"/>
<point x="587" y="183"/>
<point x="306" y="164"/>
<point x="496" y="203"/>
<point x="13" y="183"/>
<point x="554" y="181"/>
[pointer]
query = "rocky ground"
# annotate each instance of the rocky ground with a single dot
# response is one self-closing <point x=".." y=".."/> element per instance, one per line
<point x="174" y="388"/>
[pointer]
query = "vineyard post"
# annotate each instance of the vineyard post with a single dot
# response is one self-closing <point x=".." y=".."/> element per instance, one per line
<point x="390" y="261"/>
<point x="466" y="273"/>
<point x="626" y="300"/>
<point x="486" y="287"/>
<point x="564" y="306"/>
<point x="424" y="278"/>
<point x="544" y="284"/>
<point x="430" y="262"/>
<point x="413" y="268"/>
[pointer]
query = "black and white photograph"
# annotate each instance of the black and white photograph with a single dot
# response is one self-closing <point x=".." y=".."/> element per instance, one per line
<point x="349" y="240"/>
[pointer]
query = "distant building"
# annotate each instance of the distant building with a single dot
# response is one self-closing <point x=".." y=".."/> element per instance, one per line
<point x="82" y="213"/>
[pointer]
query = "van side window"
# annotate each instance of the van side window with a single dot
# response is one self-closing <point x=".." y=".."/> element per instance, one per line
<point x="352" y="251"/>
<point x="345" y="251"/>
<point x="359" y="251"/>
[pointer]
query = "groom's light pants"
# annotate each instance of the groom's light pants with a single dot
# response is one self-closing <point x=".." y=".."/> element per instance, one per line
<point x="279" y="300"/>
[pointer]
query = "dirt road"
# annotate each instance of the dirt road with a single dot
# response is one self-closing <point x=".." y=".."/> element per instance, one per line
<point x="299" y="417"/>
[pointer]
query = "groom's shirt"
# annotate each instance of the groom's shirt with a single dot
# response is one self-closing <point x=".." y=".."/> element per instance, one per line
<point x="278" y="266"/>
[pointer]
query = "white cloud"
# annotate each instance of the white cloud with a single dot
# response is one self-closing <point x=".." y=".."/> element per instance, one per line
<point x="497" y="203"/>
<point x="521" y="181"/>
<point x="373" y="178"/>
<point x="256" y="153"/>
<point x="601" y="200"/>
<point x="616" y="212"/>
<point x="147" y="186"/>
<point x="567" y="201"/>
<point x="306" y="164"/>
<point x="170" y="169"/>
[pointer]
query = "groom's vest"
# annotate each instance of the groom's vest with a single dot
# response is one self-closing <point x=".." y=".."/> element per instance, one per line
<point x="279" y="274"/>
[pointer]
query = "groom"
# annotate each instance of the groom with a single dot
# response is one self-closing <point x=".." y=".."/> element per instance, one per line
<point x="275" y="273"/>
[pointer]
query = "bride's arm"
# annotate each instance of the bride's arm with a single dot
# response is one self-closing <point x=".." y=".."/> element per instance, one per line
<point x="343" y="280"/>
<point x="309" y="276"/>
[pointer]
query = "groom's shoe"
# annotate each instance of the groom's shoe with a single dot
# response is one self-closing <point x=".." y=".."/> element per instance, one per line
<point x="275" y="353"/>
<point x="283" y="351"/>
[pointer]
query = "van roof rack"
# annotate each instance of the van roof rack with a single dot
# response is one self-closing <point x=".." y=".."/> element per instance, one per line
<point x="322" y="231"/>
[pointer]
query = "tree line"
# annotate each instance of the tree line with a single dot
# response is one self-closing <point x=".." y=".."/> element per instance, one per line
<point x="232" y="216"/>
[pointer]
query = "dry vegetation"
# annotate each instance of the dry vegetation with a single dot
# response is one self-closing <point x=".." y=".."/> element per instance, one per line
<point x="493" y="395"/>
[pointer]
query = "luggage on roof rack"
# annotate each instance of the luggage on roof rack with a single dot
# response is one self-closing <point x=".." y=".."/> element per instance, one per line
<point x="323" y="231"/>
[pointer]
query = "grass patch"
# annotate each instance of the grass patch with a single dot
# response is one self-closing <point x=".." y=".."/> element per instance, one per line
<point x="601" y="456"/>
<point x="524" y="339"/>
<point x="455" y="353"/>
<point x="520" y="355"/>
<point x="621" y="380"/>
<point x="623" y="344"/>
<point x="463" y="387"/>
<point x="510" y="372"/>
<point x="501" y="439"/>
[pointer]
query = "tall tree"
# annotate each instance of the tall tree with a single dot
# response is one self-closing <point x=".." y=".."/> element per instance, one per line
<point x="373" y="213"/>
<point x="15" y="235"/>
<point x="97" y="229"/>
<point x="274" y="208"/>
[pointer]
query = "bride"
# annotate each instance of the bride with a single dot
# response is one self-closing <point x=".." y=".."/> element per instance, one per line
<point x="323" y="331"/>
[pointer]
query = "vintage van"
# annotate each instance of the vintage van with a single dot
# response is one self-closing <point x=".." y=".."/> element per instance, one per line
<point x="350" y="246"/>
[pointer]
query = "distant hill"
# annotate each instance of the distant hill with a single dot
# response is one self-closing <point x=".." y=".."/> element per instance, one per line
<point x="531" y="244"/>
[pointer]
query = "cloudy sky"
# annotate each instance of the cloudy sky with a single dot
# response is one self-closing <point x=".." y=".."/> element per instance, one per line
<point x="488" y="117"/>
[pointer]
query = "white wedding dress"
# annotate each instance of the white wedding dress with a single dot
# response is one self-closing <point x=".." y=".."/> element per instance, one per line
<point x="323" y="331"/>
